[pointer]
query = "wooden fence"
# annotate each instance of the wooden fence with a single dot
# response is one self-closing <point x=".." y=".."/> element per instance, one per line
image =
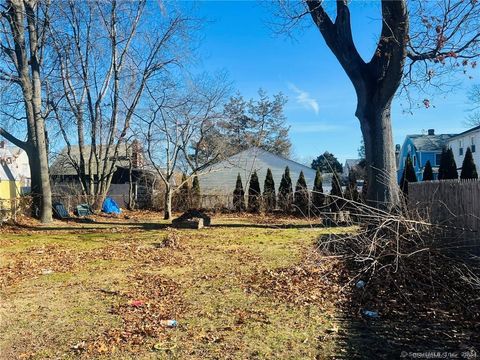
<point x="452" y="203"/>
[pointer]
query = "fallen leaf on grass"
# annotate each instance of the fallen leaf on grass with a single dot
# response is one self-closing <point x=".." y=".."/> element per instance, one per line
<point x="137" y="303"/>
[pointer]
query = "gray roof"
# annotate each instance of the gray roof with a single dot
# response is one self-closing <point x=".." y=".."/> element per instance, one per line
<point x="430" y="142"/>
<point x="65" y="164"/>
<point x="220" y="178"/>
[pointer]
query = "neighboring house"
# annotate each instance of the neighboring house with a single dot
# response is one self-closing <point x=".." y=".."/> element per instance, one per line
<point x="9" y="185"/>
<point x="64" y="168"/>
<point x="220" y="178"/>
<point x="18" y="161"/>
<point x="128" y="165"/>
<point x="460" y="142"/>
<point x="422" y="148"/>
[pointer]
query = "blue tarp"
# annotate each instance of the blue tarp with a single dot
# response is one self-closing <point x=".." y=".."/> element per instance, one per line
<point x="110" y="206"/>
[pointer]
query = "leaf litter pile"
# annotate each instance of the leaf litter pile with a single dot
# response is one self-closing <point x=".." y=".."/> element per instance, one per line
<point x="311" y="282"/>
<point x="55" y="258"/>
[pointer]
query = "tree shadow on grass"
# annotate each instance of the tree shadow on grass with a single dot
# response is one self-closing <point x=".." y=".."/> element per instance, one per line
<point x="267" y="226"/>
<point x="426" y="324"/>
<point x="102" y="226"/>
<point x="105" y="225"/>
<point x="401" y="338"/>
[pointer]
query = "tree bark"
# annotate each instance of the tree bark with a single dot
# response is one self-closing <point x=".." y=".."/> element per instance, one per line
<point x="376" y="128"/>
<point x="35" y="189"/>
<point x="168" y="203"/>
<point x="43" y="174"/>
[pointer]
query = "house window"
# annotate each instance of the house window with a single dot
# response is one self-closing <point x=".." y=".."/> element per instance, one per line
<point x="460" y="151"/>
<point x="438" y="158"/>
<point x="414" y="160"/>
<point x="472" y="142"/>
<point x="473" y="148"/>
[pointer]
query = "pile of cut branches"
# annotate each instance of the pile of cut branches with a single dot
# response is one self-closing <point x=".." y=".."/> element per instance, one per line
<point x="407" y="264"/>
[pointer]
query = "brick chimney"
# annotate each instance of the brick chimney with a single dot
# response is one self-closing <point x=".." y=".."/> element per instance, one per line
<point x="2" y="144"/>
<point x="431" y="131"/>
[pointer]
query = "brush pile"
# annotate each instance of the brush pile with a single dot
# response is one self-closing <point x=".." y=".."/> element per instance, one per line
<point x="405" y="264"/>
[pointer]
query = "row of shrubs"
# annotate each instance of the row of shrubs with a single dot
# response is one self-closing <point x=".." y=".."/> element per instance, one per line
<point x="301" y="201"/>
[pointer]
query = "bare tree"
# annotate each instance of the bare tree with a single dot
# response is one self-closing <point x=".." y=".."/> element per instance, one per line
<point x="473" y="118"/>
<point x="107" y="54"/>
<point x="442" y="33"/>
<point x="176" y="123"/>
<point x="22" y="48"/>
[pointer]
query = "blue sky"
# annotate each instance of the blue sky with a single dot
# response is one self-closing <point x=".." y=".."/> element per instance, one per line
<point x="322" y="101"/>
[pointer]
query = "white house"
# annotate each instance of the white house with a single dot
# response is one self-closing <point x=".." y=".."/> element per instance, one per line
<point x="17" y="159"/>
<point x="220" y="178"/>
<point x="460" y="142"/>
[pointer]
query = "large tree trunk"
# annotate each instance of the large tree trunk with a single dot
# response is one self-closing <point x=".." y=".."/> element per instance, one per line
<point x="375" y="83"/>
<point x="41" y="142"/>
<point x="168" y="203"/>
<point x="34" y="184"/>
<point x="44" y="176"/>
<point x="376" y="128"/>
<point x="27" y="65"/>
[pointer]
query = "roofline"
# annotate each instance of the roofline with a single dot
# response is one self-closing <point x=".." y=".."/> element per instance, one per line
<point x="451" y="135"/>
<point x="270" y="153"/>
<point x="411" y="137"/>
<point x="467" y="131"/>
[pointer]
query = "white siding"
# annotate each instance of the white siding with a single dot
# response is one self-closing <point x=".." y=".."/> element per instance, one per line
<point x="467" y="140"/>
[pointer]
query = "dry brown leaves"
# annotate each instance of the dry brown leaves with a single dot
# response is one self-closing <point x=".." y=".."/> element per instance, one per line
<point x="312" y="282"/>
<point x="54" y="258"/>
<point x="151" y="300"/>
<point x="425" y="286"/>
<point x="171" y="240"/>
<point x="38" y="261"/>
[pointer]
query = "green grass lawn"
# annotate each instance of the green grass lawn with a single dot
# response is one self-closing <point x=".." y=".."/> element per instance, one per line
<point x="238" y="290"/>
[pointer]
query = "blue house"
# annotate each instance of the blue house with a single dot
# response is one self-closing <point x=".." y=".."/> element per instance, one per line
<point x="422" y="148"/>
